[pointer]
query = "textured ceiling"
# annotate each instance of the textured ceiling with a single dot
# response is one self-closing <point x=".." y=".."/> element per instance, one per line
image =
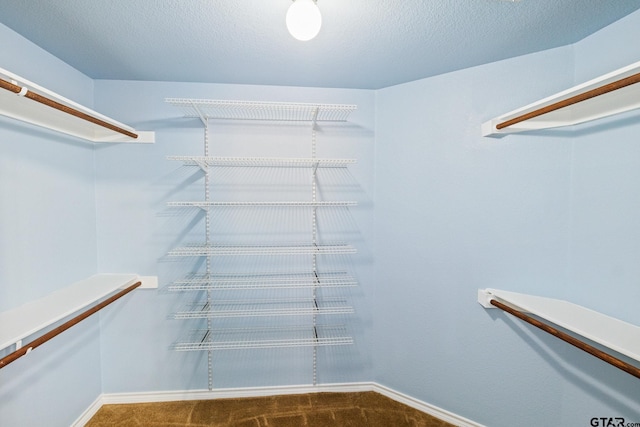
<point x="362" y="44"/>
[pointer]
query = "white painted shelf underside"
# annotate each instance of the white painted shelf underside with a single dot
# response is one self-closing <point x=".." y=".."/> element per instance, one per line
<point x="612" y="333"/>
<point x="615" y="102"/>
<point x="20" y="108"/>
<point x="23" y="321"/>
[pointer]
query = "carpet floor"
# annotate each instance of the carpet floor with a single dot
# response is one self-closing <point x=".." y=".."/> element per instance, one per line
<point x="366" y="409"/>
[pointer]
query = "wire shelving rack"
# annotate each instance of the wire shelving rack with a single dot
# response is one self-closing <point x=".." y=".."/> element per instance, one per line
<point x="203" y="282"/>
<point x="258" y="338"/>
<point x="310" y="333"/>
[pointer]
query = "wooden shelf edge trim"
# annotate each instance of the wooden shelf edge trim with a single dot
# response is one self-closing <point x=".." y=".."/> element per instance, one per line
<point x="66" y="325"/>
<point x="19" y="90"/>
<point x="610" y="87"/>
<point x="606" y="357"/>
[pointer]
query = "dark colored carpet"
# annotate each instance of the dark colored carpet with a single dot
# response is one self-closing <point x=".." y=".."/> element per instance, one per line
<point x="301" y="410"/>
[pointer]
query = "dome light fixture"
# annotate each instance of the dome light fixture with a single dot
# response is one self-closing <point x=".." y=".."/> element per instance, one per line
<point x="304" y="19"/>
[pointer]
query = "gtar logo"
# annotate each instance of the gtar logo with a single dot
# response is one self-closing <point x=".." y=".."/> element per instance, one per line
<point x="607" y="422"/>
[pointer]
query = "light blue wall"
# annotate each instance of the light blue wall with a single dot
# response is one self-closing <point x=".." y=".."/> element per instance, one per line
<point x="47" y="241"/>
<point x="456" y="212"/>
<point x="548" y="213"/>
<point x="608" y="49"/>
<point x="136" y="230"/>
<point x="605" y="237"/>
<point x="551" y="213"/>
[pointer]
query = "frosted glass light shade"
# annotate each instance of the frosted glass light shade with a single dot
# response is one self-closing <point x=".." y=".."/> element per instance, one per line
<point x="304" y="19"/>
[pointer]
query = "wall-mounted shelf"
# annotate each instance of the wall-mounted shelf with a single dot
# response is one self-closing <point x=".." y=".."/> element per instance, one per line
<point x="268" y="111"/>
<point x="308" y="276"/>
<point x="201" y="282"/>
<point x="204" y="250"/>
<point x="28" y="319"/>
<point x="292" y="204"/>
<point x="613" y="93"/>
<point x="233" y="339"/>
<point x="285" y="162"/>
<point x="612" y="333"/>
<point x="262" y="308"/>
<point x="26" y="101"/>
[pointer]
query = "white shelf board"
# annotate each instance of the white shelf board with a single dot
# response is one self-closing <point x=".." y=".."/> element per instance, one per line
<point x="612" y="333"/>
<point x="616" y="102"/>
<point x="20" y="108"/>
<point x="198" y="282"/>
<point x="230" y="339"/>
<point x="262" y="308"/>
<point x="21" y="322"/>
<point x="259" y="110"/>
<point x="285" y="162"/>
<point x="223" y="250"/>
<point x="293" y="204"/>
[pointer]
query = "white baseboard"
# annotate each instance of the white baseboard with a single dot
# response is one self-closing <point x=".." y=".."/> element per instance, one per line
<point x="230" y="393"/>
<point x="427" y="408"/>
<point x="89" y="412"/>
<point x="168" y="396"/>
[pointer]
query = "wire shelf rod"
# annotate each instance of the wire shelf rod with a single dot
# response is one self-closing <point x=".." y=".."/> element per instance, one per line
<point x="309" y="342"/>
<point x="288" y="281"/>
<point x="263" y="308"/>
<point x="264" y="111"/>
<point x="214" y="204"/>
<point x="204" y="250"/>
<point x="261" y="161"/>
<point x="260" y="338"/>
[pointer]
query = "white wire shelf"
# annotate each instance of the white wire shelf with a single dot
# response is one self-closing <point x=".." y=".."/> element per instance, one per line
<point x="256" y="338"/>
<point x="255" y="110"/>
<point x="263" y="308"/>
<point x="204" y="250"/>
<point x="299" y="204"/>
<point x="200" y="282"/>
<point x="206" y="162"/>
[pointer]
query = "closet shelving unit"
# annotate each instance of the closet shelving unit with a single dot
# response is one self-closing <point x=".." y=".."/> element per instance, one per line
<point x="200" y="282"/>
<point x="255" y="338"/>
<point x="207" y="205"/>
<point x="35" y="316"/>
<point x="260" y="308"/>
<point x="613" y="93"/>
<point x="612" y="333"/>
<point x="310" y="333"/>
<point x="67" y="306"/>
<point x="206" y="162"/>
<point x="293" y="249"/>
<point x="29" y="102"/>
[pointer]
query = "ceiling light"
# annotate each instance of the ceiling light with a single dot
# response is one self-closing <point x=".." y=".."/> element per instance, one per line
<point x="304" y="19"/>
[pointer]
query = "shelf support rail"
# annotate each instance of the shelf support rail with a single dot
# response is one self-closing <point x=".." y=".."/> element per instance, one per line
<point x="199" y="113"/>
<point x="22" y="350"/>
<point x="606" y="357"/>
<point x="23" y="91"/>
<point x="314" y="239"/>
